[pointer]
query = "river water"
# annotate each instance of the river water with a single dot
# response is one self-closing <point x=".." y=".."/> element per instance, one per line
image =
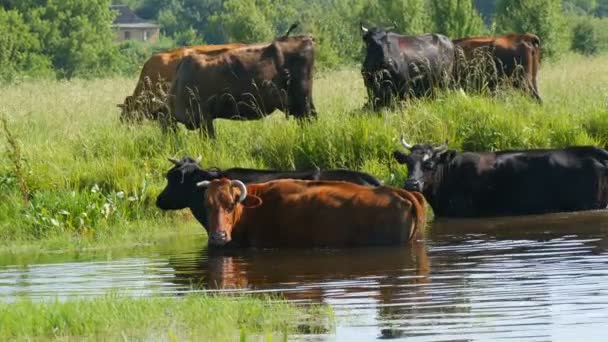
<point x="528" y="278"/>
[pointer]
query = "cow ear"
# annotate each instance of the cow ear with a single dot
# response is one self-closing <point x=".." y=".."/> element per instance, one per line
<point x="251" y="201"/>
<point x="400" y="157"/>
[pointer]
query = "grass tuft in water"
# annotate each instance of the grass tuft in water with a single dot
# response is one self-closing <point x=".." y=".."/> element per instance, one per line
<point x="194" y="317"/>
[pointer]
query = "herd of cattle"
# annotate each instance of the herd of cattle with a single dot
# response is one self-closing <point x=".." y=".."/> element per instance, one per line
<point x="194" y="85"/>
<point x="341" y="208"/>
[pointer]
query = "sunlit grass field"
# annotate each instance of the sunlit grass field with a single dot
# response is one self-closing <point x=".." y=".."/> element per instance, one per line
<point x="92" y="180"/>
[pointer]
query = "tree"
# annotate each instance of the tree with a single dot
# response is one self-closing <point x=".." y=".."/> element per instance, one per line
<point x="582" y="7"/>
<point x="75" y="35"/>
<point x="407" y="16"/>
<point x="455" y="18"/>
<point x="601" y="9"/>
<point x="245" y="21"/>
<point x="542" y="17"/>
<point x="21" y="50"/>
<point x="584" y="40"/>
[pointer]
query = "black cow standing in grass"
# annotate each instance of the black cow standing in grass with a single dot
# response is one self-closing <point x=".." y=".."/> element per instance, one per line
<point x="398" y="67"/>
<point x="507" y="182"/>
<point x="181" y="190"/>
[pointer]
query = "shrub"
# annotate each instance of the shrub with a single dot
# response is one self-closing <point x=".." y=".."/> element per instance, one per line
<point x="542" y="17"/>
<point x="584" y="40"/>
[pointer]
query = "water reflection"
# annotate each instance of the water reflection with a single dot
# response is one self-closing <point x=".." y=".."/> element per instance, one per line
<point x="524" y="278"/>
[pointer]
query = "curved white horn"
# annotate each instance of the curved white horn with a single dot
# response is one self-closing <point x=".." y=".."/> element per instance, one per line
<point x="203" y="184"/>
<point x="198" y="159"/>
<point x="405" y="144"/>
<point x="174" y="161"/>
<point x="441" y="149"/>
<point x="241" y="186"/>
<point x="364" y="29"/>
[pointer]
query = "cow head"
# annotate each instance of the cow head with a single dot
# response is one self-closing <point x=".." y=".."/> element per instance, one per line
<point x="377" y="47"/>
<point x="422" y="163"/>
<point x="224" y="201"/>
<point x="181" y="190"/>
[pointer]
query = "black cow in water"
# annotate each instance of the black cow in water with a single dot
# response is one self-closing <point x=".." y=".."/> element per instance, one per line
<point x="508" y="182"/>
<point x="181" y="190"/>
<point x="398" y="67"/>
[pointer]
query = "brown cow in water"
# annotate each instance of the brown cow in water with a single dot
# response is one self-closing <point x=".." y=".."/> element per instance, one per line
<point x="515" y="57"/>
<point x="245" y="83"/>
<point x="158" y="72"/>
<point x="298" y="213"/>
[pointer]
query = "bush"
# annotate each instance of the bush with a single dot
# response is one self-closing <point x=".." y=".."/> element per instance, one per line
<point x="456" y="18"/>
<point x="542" y="17"/>
<point x="21" y="50"/>
<point x="584" y="40"/>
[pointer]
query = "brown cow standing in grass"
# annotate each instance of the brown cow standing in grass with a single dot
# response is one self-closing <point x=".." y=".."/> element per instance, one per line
<point x="298" y="213"/>
<point x="514" y="58"/>
<point x="246" y="83"/>
<point x="157" y="73"/>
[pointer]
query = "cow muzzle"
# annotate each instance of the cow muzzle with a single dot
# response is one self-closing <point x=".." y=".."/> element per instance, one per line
<point x="413" y="185"/>
<point x="219" y="238"/>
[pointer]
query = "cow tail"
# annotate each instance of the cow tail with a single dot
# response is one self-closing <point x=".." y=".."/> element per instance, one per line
<point x="418" y="201"/>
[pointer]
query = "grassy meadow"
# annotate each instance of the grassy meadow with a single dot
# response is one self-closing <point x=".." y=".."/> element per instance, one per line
<point x="71" y="175"/>
<point x="191" y="318"/>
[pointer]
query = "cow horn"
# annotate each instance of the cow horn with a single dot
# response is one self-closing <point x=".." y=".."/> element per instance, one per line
<point x="364" y="29"/>
<point x="120" y="105"/>
<point x="203" y="184"/>
<point x="241" y="186"/>
<point x="198" y="159"/>
<point x="405" y="144"/>
<point x="441" y="149"/>
<point x="291" y="28"/>
<point x="174" y="161"/>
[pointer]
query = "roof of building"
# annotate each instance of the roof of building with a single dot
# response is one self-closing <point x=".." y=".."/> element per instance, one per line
<point x="128" y="19"/>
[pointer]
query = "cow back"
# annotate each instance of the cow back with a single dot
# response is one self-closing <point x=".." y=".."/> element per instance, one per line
<point x="334" y="214"/>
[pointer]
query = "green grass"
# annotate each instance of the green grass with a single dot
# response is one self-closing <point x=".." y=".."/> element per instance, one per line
<point x="192" y="317"/>
<point x="93" y="179"/>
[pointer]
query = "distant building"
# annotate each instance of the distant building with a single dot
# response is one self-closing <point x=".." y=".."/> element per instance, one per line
<point x="129" y="26"/>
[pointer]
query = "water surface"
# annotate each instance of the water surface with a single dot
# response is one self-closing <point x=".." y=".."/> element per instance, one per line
<point x="527" y="278"/>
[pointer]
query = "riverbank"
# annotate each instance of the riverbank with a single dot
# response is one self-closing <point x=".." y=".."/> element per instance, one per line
<point x="72" y="175"/>
<point x="193" y="317"/>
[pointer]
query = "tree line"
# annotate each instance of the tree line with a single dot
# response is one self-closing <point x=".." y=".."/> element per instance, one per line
<point x="69" y="38"/>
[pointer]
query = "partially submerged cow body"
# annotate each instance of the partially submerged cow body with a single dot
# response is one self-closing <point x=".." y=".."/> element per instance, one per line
<point x="297" y="213"/>
<point x="398" y="66"/>
<point x="157" y="74"/>
<point x="486" y="61"/>
<point x="245" y="83"/>
<point x="181" y="191"/>
<point x="508" y="182"/>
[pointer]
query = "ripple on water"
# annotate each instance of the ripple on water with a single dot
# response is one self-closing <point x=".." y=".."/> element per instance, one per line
<point x="511" y="282"/>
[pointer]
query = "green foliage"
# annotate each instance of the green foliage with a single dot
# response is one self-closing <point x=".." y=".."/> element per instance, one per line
<point x="245" y="20"/>
<point x="407" y="16"/>
<point x="542" y="17"/>
<point x="584" y="39"/>
<point x="583" y="7"/>
<point x="21" y="52"/>
<point x="601" y="10"/>
<point x="75" y="36"/>
<point x="456" y="18"/>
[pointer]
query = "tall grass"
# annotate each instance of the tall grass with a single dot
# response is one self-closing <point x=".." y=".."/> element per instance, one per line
<point x="192" y="317"/>
<point x="89" y="175"/>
